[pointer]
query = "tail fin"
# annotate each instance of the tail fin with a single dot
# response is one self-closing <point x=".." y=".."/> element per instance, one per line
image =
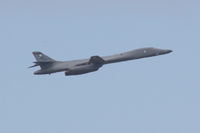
<point x="42" y="60"/>
<point x="40" y="57"/>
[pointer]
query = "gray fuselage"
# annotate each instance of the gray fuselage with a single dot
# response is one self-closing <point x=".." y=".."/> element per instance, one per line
<point x="76" y="67"/>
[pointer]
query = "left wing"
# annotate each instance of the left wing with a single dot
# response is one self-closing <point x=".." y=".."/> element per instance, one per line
<point x="95" y="60"/>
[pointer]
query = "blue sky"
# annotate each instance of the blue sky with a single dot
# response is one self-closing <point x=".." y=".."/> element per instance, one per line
<point x="154" y="95"/>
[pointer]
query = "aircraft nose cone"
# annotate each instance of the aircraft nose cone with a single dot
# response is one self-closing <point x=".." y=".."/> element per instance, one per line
<point x="167" y="51"/>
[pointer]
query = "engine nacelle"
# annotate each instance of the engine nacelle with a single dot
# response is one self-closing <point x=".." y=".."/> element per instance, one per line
<point x="82" y="69"/>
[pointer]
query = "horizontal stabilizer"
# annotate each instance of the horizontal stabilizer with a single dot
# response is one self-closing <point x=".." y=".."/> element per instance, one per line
<point x="33" y="66"/>
<point x="43" y="65"/>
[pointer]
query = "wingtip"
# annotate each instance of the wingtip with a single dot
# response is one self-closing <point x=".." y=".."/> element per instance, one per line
<point x="169" y="51"/>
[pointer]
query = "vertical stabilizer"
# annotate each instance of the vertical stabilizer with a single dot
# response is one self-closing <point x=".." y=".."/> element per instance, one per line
<point x="42" y="60"/>
<point x="40" y="57"/>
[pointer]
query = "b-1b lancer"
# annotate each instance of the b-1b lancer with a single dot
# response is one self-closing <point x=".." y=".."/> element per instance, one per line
<point x="83" y="66"/>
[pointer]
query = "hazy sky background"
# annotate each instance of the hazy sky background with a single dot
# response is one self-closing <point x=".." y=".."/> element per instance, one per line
<point x="153" y="95"/>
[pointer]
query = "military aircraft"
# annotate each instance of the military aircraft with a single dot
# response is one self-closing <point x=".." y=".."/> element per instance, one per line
<point x="83" y="66"/>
